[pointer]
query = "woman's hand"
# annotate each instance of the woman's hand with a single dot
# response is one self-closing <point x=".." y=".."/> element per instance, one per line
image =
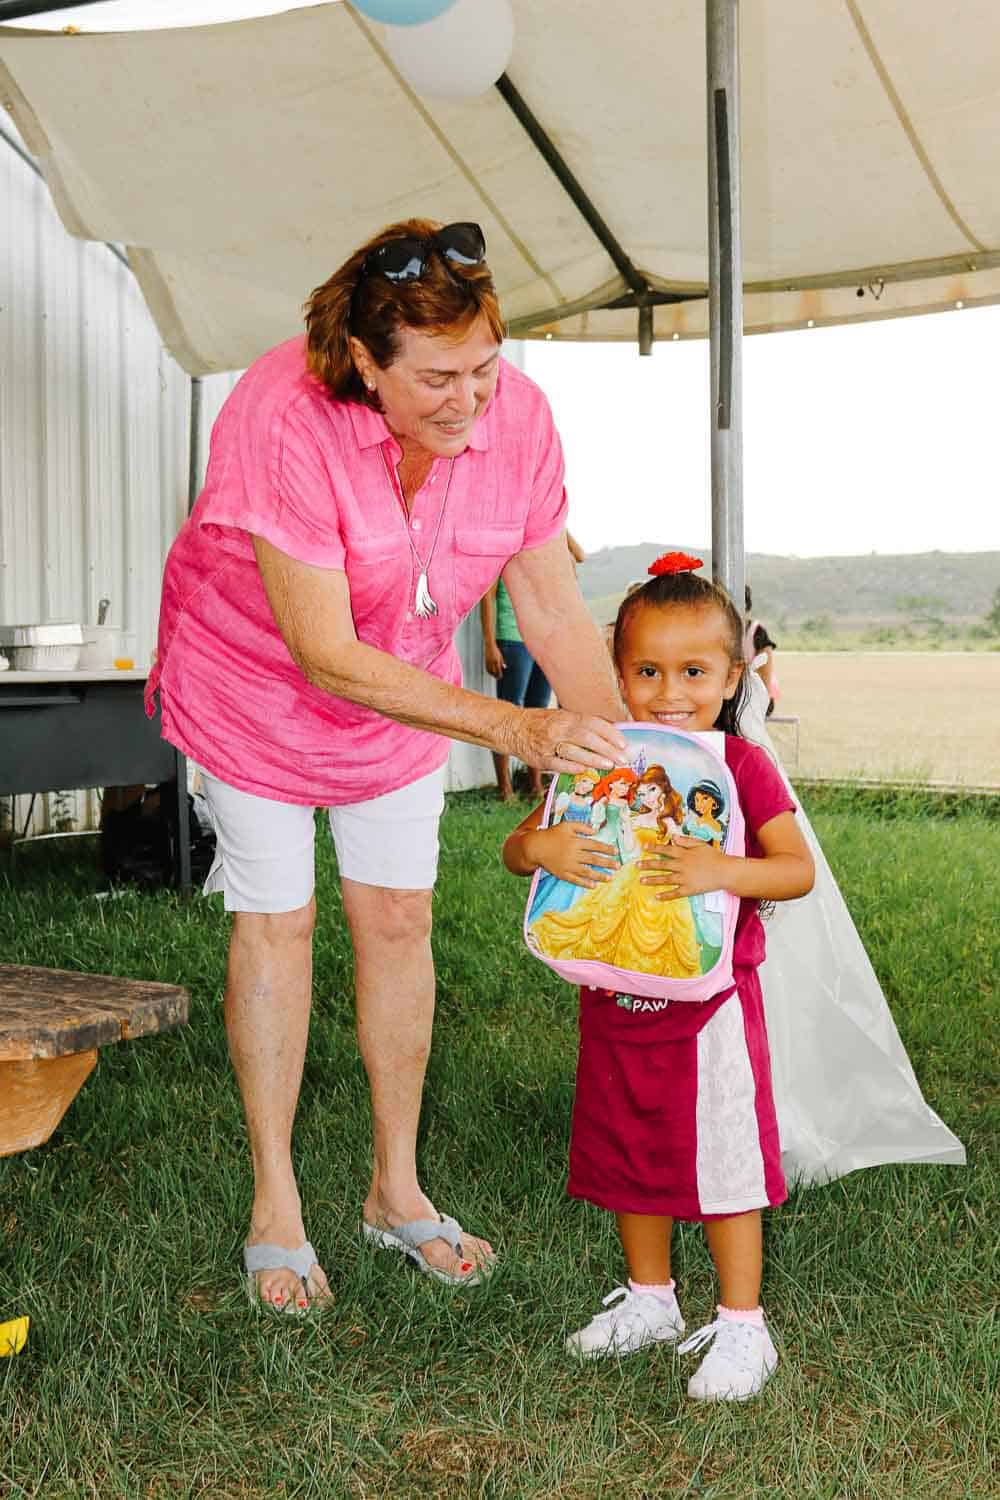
<point x="570" y="853"/>
<point x="556" y="740"/>
<point x="685" y="867"/>
<point x="493" y="659"/>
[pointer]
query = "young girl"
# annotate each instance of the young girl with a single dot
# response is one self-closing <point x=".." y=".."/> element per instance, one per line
<point x="674" y="1116"/>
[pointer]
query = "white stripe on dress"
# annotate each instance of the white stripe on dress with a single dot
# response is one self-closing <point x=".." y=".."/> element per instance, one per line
<point x="729" y="1164"/>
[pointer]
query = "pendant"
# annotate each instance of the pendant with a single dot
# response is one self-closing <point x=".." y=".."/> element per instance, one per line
<point x="423" y="604"/>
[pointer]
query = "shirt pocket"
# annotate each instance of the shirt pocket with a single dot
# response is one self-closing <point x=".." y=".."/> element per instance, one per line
<point x="378" y="567"/>
<point x="481" y="554"/>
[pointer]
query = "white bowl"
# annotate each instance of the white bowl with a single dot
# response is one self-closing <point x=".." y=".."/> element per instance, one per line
<point x="45" y="658"/>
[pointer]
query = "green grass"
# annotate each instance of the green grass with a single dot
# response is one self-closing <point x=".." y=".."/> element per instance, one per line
<point x="148" y="1374"/>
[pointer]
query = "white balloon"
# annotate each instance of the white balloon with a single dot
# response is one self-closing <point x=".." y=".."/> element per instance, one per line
<point x="457" y="55"/>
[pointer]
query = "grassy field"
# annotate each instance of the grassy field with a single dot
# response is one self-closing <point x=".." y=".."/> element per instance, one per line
<point x="923" y="717"/>
<point x="902" y="712"/>
<point x="148" y="1374"/>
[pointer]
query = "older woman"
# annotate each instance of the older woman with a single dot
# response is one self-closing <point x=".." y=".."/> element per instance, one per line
<point x="365" y="486"/>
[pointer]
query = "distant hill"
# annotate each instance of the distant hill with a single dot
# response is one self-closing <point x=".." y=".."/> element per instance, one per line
<point x="850" y="591"/>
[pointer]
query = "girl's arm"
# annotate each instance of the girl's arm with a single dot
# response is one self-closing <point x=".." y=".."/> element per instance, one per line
<point x="566" y="851"/>
<point x="688" y="867"/>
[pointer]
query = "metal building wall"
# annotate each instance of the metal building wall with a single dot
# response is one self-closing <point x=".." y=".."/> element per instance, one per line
<point x="94" y="450"/>
<point x="93" y="433"/>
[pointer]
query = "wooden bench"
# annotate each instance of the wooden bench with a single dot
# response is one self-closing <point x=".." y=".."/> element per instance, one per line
<point x="52" y="1022"/>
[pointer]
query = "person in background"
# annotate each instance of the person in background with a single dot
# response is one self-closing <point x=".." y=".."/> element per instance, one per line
<point x="758" y="652"/>
<point x="519" y="678"/>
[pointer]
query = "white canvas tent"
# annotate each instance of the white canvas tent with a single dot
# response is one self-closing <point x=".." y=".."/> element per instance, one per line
<point x="240" y="163"/>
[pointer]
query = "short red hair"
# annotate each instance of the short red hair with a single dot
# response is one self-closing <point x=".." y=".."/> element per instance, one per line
<point x="446" y="299"/>
<point x="620" y="773"/>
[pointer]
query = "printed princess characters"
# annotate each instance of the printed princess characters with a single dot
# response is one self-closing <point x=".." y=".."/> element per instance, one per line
<point x="659" y="805"/>
<point x="705" y="807"/>
<point x="573" y="806"/>
<point x="577" y="804"/>
<point x="610" y="816"/>
<point x="621" y="921"/>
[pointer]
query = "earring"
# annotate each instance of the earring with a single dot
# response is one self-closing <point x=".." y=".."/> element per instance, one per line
<point x="370" y="384"/>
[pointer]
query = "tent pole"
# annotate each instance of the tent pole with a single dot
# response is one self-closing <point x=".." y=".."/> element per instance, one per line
<point x="725" y="293"/>
<point x="194" y="443"/>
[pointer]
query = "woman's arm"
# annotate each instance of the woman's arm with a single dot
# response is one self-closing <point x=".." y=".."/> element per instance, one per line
<point x="688" y="867"/>
<point x="558" y="630"/>
<point x="312" y="609"/>
<point x="492" y="655"/>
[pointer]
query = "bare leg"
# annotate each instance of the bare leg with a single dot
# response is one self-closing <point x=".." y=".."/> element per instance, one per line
<point x="737" y="1249"/>
<point x="268" y="995"/>
<point x="501" y="764"/>
<point x="646" y="1241"/>
<point x="394" y="978"/>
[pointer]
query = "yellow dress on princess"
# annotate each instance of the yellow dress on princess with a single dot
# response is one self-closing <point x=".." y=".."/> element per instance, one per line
<point x="621" y="922"/>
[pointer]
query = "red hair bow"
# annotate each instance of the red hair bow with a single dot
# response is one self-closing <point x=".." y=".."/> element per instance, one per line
<point x="674" y="562"/>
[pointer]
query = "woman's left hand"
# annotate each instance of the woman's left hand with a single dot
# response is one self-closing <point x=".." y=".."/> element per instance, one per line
<point x="684" y="867"/>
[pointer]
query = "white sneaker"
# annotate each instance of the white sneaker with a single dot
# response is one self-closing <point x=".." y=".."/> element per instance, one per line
<point x="635" y="1320"/>
<point x="738" y="1365"/>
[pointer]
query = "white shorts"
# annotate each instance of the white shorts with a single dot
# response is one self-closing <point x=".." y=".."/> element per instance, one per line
<point x="264" y="856"/>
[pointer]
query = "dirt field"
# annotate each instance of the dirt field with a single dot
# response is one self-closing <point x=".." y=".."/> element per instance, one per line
<point x="931" y="716"/>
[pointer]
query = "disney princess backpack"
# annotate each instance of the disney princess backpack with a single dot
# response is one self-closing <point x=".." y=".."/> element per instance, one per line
<point x="619" y="935"/>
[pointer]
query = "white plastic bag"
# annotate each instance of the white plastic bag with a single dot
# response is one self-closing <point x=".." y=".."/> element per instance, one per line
<point x="845" y="1092"/>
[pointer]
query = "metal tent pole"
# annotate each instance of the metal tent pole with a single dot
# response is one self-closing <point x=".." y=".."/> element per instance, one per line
<point x="194" y="443"/>
<point x="725" y="293"/>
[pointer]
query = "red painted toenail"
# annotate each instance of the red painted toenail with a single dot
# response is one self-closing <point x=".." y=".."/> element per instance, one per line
<point x="467" y="1265"/>
<point x="302" y="1302"/>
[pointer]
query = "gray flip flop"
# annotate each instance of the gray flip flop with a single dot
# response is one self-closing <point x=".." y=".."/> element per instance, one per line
<point x="408" y="1238"/>
<point x="275" y="1258"/>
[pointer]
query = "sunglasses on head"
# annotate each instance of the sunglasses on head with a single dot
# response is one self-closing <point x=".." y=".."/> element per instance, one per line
<point x="406" y="259"/>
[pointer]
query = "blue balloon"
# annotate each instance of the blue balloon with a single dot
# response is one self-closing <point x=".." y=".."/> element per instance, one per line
<point x="402" y="12"/>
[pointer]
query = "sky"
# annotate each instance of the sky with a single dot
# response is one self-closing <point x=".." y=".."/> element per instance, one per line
<point x="876" y="438"/>
<point x="880" y="437"/>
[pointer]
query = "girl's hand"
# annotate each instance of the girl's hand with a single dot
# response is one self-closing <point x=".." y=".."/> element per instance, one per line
<point x="685" y="867"/>
<point x="570" y="853"/>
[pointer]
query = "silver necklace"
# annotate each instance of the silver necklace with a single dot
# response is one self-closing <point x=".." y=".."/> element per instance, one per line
<point x="423" y="604"/>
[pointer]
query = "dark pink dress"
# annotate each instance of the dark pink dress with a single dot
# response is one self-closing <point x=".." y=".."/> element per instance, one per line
<point x="674" y="1112"/>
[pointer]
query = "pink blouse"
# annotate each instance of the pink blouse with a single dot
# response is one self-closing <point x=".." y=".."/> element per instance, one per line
<point x="306" y="472"/>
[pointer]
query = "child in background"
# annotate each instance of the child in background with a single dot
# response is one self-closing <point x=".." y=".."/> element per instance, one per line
<point x="758" y="652"/>
<point x="673" y="1115"/>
